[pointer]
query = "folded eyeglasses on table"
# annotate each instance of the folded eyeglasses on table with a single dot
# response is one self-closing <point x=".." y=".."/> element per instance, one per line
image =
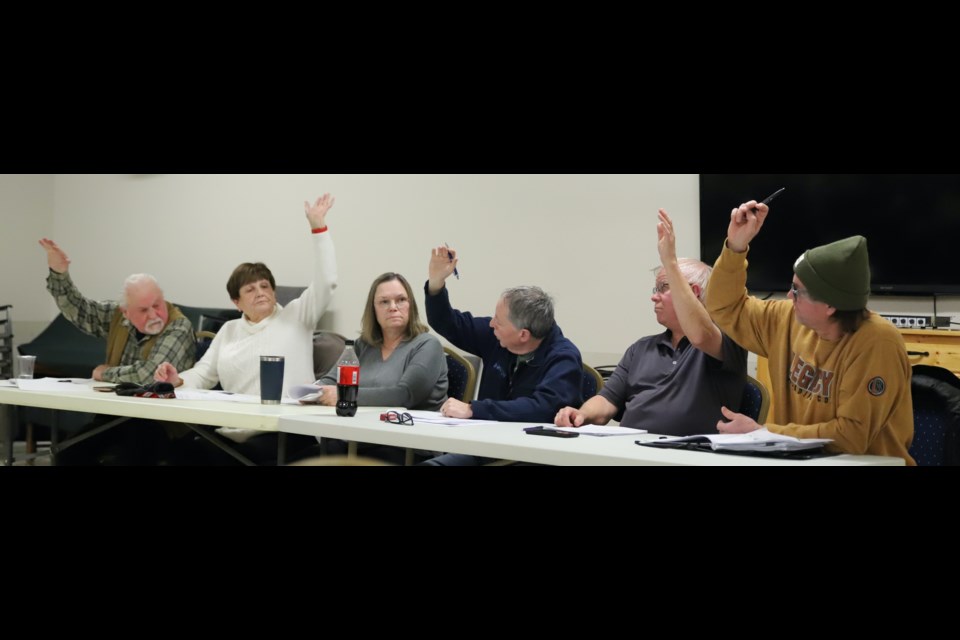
<point x="397" y="417"/>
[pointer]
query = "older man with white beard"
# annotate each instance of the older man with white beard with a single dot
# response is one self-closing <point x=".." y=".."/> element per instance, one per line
<point x="142" y="331"/>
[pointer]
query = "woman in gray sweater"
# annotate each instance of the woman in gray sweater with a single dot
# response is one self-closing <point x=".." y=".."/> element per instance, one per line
<point x="401" y="364"/>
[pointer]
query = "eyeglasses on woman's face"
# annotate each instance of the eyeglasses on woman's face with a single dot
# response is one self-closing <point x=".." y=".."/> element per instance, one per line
<point x="401" y="302"/>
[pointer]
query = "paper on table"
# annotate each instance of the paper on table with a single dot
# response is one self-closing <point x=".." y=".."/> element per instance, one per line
<point x="220" y="396"/>
<point x="434" y="417"/>
<point x="759" y="440"/>
<point x="223" y="396"/>
<point x="598" y="430"/>
<point x="306" y="393"/>
<point x="68" y="385"/>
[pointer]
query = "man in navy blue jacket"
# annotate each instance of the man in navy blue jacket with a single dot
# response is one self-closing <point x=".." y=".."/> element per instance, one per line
<point x="530" y="370"/>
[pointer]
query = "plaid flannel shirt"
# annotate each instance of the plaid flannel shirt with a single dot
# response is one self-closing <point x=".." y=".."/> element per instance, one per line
<point x="176" y="344"/>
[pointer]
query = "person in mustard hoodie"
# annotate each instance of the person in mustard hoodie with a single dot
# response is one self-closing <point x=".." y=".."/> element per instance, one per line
<point x="837" y="369"/>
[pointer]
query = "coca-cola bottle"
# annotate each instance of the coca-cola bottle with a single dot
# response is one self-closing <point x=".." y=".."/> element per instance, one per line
<point x="348" y="381"/>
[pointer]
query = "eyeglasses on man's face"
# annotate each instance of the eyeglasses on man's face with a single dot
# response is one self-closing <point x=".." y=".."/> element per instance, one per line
<point x="395" y="417"/>
<point x="661" y="288"/>
<point x="797" y="292"/>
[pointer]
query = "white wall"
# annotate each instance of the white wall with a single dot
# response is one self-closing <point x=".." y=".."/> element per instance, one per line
<point x="590" y="240"/>
<point x="26" y="215"/>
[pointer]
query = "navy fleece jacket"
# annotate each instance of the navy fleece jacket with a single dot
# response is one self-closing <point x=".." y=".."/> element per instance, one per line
<point x="551" y="380"/>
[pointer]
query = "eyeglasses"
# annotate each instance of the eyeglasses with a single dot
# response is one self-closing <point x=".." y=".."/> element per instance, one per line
<point x="797" y="292"/>
<point x="395" y="417"/>
<point x="661" y="288"/>
<point x="400" y="302"/>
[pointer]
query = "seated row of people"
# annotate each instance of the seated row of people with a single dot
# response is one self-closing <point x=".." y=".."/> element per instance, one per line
<point x="839" y="372"/>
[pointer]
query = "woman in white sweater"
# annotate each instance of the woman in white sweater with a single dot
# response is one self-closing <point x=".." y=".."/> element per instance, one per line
<point x="266" y="328"/>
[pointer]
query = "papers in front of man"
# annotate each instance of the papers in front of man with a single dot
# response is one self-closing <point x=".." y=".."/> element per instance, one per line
<point x="598" y="430"/>
<point x="759" y="440"/>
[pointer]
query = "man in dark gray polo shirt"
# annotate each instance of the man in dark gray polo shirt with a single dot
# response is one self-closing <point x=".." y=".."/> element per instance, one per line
<point x="673" y="383"/>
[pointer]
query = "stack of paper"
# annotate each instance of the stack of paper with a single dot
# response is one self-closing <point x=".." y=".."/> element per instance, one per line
<point x="759" y="440"/>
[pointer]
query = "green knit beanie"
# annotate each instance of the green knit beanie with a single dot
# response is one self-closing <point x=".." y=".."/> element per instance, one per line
<point x="837" y="273"/>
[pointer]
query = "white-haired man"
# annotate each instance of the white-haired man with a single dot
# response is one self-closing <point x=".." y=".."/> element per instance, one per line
<point x="676" y="382"/>
<point x="142" y="331"/>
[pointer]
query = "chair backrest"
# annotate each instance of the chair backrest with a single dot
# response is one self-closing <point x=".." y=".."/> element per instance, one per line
<point x="204" y="338"/>
<point x="286" y="295"/>
<point x="461" y="375"/>
<point x="755" y="401"/>
<point x="327" y="348"/>
<point x="592" y="382"/>
<point x="209" y="318"/>
<point x="936" y="416"/>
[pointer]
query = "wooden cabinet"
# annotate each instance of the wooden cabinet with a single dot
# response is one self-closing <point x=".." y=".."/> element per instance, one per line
<point x="936" y="347"/>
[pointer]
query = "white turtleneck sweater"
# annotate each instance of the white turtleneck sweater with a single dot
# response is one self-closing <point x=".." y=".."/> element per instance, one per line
<point x="233" y="358"/>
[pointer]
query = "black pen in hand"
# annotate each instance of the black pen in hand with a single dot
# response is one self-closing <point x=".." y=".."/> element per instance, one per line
<point x="771" y="197"/>
<point x="450" y="255"/>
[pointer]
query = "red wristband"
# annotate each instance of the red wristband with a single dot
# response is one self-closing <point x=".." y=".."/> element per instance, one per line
<point x="320" y="230"/>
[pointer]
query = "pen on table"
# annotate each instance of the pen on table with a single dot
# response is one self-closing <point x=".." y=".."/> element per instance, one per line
<point x="450" y="255"/>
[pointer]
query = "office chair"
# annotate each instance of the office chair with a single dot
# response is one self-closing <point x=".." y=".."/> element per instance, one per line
<point x="592" y="382"/>
<point x="204" y="338"/>
<point x="936" y="416"/>
<point x="755" y="401"/>
<point x="461" y="375"/>
<point x="327" y="348"/>
<point x="286" y="295"/>
<point x="462" y="385"/>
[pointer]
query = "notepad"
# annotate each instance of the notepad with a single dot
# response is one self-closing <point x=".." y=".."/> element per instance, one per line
<point x="759" y="440"/>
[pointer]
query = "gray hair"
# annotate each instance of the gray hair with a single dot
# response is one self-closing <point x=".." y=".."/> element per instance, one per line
<point x="136" y="280"/>
<point x="694" y="272"/>
<point x="530" y="308"/>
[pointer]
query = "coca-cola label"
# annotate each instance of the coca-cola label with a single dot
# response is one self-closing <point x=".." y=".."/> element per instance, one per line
<point x="348" y="375"/>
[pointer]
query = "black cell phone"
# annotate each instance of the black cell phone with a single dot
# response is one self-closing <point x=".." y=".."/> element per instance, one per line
<point x="541" y="431"/>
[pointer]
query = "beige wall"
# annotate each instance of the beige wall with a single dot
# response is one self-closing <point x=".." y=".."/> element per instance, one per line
<point x="590" y="240"/>
<point x="26" y="215"/>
